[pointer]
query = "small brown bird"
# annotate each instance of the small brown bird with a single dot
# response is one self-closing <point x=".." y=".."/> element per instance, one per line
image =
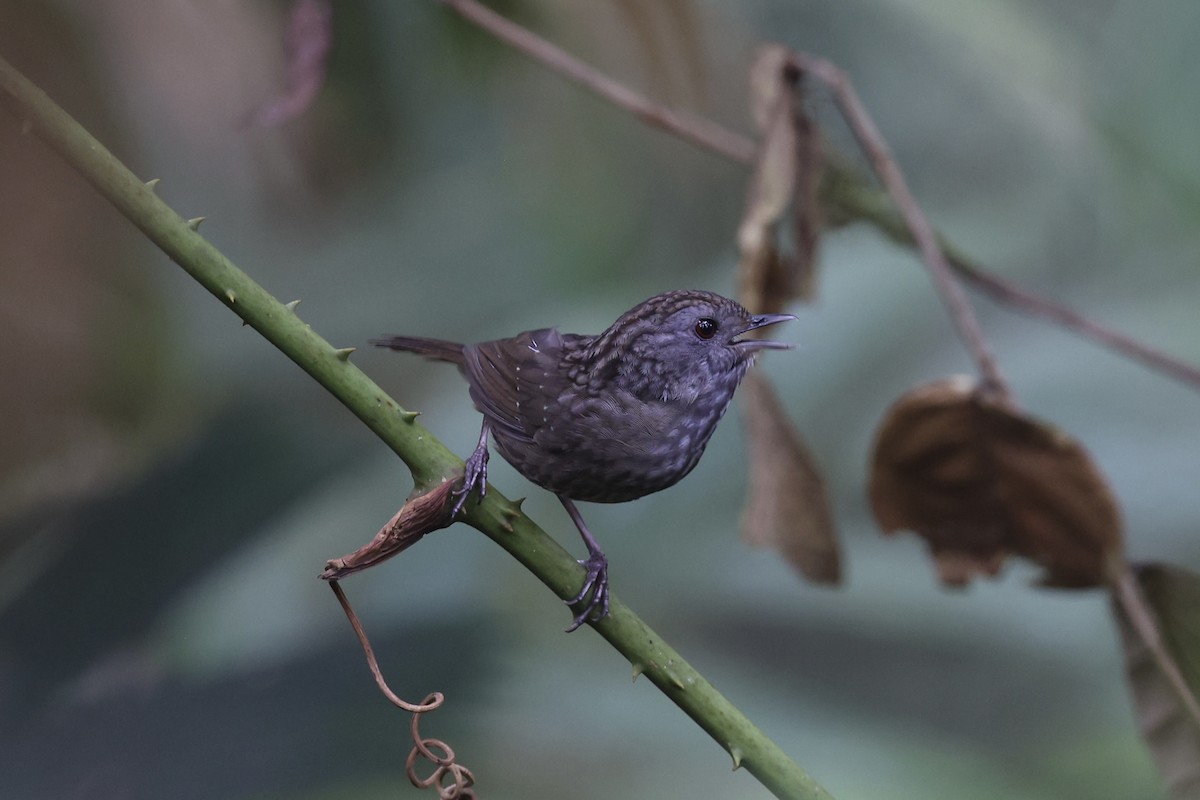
<point x="605" y="418"/>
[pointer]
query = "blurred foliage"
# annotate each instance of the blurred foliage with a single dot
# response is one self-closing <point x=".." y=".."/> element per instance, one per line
<point x="170" y="487"/>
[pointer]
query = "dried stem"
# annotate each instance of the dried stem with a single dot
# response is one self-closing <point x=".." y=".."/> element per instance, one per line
<point x="851" y="200"/>
<point x="888" y="171"/>
<point x="373" y="663"/>
<point x="1132" y="600"/>
<point x="710" y="136"/>
<point x="1005" y="292"/>
<point x="697" y="130"/>
<point x="445" y="765"/>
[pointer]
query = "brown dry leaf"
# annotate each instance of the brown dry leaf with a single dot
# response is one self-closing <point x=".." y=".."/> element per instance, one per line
<point x="420" y="515"/>
<point x="808" y="218"/>
<point x="979" y="480"/>
<point x="787" y="508"/>
<point x="787" y="173"/>
<point x="1166" y="703"/>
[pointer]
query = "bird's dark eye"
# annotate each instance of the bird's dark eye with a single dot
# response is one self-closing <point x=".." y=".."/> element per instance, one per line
<point x="706" y="327"/>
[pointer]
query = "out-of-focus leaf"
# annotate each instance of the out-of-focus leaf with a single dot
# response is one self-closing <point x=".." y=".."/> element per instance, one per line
<point x="672" y="41"/>
<point x="787" y="508"/>
<point x="787" y="174"/>
<point x="84" y="340"/>
<point x="1166" y="712"/>
<point x="808" y="218"/>
<point x="308" y="39"/>
<point x="979" y="480"/>
<point x="774" y="178"/>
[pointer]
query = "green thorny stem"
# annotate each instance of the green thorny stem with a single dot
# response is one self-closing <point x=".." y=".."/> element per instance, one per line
<point x="428" y="459"/>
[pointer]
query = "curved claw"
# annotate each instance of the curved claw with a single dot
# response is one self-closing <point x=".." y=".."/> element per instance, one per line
<point x="596" y="585"/>
<point x="474" y="474"/>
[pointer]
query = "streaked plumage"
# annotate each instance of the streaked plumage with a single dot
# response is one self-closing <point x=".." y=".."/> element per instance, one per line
<point x="610" y="417"/>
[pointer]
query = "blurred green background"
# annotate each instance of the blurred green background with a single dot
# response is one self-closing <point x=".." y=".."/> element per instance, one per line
<point x="170" y="486"/>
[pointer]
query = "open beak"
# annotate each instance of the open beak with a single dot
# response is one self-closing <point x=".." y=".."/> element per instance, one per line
<point x="763" y="321"/>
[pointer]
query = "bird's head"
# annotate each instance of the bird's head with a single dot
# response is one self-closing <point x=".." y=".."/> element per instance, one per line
<point x="684" y="344"/>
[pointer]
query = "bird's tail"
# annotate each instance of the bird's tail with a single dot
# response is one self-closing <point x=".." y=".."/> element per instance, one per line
<point x="436" y="349"/>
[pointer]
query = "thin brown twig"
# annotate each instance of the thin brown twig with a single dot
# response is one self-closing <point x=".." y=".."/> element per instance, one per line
<point x="1129" y="596"/>
<point x="852" y="201"/>
<point x="711" y="136"/>
<point x="888" y="171"/>
<point x="697" y="130"/>
<point x="1005" y="292"/>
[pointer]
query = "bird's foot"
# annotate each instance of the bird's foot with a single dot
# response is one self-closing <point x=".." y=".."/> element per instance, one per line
<point x="474" y="477"/>
<point x="595" y="590"/>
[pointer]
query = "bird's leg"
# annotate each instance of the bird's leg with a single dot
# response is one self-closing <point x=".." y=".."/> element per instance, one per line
<point x="475" y="472"/>
<point x="596" y="582"/>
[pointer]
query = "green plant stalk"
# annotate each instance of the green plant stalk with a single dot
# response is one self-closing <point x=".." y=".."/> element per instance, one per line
<point x="428" y="459"/>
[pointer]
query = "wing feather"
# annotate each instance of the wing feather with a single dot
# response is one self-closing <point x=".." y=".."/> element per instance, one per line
<point x="508" y="379"/>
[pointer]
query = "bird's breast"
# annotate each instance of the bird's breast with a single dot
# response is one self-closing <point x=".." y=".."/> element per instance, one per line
<point x="611" y="447"/>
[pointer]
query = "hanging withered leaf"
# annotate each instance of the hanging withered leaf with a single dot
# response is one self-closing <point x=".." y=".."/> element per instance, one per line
<point x="787" y="172"/>
<point x="1160" y="633"/>
<point x="979" y="481"/>
<point x="787" y="508"/>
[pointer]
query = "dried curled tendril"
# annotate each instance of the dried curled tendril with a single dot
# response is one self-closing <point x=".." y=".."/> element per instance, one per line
<point x="429" y="749"/>
<point x="452" y="780"/>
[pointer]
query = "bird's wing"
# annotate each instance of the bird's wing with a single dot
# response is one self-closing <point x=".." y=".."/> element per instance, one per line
<point x="508" y="377"/>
